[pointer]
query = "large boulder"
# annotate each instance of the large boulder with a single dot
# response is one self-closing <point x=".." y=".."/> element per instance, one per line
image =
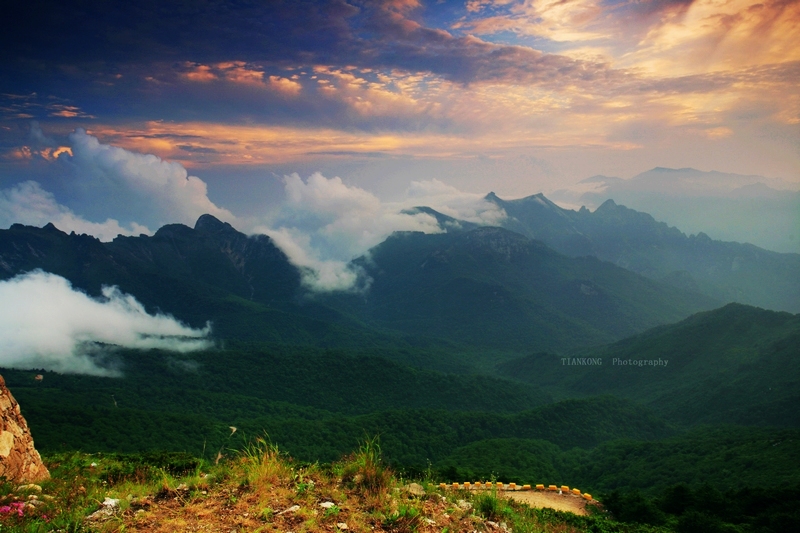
<point x="19" y="460"/>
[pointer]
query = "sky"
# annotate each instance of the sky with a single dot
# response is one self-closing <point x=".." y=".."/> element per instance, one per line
<point x="318" y="122"/>
<point x="321" y="123"/>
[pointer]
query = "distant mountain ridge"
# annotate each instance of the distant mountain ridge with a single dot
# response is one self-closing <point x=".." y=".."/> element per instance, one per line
<point x="726" y="271"/>
<point x="737" y="364"/>
<point x="487" y="287"/>
<point x="491" y="286"/>
<point x="245" y="286"/>
<point x="728" y="206"/>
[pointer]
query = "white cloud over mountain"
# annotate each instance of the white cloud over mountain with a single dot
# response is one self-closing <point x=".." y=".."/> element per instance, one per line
<point x="321" y="224"/>
<point x="141" y="187"/>
<point x="46" y="324"/>
<point x="27" y="203"/>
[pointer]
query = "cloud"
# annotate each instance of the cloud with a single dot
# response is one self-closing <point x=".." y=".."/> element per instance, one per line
<point x="318" y="273"/>
<point x="455" y="203"/>
<point x="284" y="85"/>
<point x="27" y="203"/>
<point x="137" y="187"/>
<point x="45" y="323"/>
<point x="325" y="223"/>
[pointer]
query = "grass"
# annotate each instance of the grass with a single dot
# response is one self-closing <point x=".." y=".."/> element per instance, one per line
<point x="260" y="489"/>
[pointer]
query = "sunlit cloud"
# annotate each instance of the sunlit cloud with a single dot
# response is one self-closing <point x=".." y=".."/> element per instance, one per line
<point x="139" y="184"/>
<point x="284" y="85"/>
<point x="662" y="38"/>
<point x="640" y="84"/>
<point x="198" y="73"/>
<point x="720" y="36"/>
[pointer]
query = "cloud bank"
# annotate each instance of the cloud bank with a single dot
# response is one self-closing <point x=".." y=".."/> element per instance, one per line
<point x="45" y="323"/>
<point x="136" y="186"/>
<point x="128" y="191"/>
<point x="27" y="203"/>
<point x="324" y="223"/>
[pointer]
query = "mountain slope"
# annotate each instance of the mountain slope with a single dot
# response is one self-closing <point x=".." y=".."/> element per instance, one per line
<point x="486" y="287"/>
<point x="495" y="288"/>
<point x="737" y="364"/>
<point x="731" y="207"/>
<point x="244" y="285"/>
<point x="726" y="271"/>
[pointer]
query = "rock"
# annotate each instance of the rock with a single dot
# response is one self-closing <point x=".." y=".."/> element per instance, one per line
<point x="342" y="526"/>
<point x="327" y="505"/>
<point x="464" y="505"/>
<point x="111" y="503"/>
<point x="109" y="508"/>
<point x="416" y="489"/>
<point x="19" y="460"/>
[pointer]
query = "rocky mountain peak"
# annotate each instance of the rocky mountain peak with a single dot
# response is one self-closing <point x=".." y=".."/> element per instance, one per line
<point x="211" y="224"/>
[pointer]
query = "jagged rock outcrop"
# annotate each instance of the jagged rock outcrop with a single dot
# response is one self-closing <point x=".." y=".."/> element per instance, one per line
<point x="19" y="460"/>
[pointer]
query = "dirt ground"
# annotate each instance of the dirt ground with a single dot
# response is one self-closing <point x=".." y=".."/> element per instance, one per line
<point x="559" y="502"/>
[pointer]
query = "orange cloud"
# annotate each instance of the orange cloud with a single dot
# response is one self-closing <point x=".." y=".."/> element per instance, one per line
<point x="199" y="73"/>
<point x="712" y="35"/>
<point x="284" y="85"/>
<point x="238" y="72"/>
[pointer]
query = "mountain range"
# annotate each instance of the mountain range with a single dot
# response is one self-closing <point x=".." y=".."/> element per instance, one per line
<point x="459" y="350"/>
<point x="736" y="365"/>
<point x="728" y="206"/>
<point x="487" y="287"/>
<point x="724" y="271"/>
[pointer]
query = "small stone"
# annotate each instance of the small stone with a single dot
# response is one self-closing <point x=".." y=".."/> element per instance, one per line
<point x="464" y="505"/>
<point x="111" y="503"/>
<point x="182" y="486"/>
<point x="109" y="508"/>
<point x="342" y="526"/>
<point x="416" y="489"/>
<point x="327" y="505"/>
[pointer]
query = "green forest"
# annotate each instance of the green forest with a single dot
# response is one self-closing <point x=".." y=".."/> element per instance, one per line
<point x="707" y="441"/>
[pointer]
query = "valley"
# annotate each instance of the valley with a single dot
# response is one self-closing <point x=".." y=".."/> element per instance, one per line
<point x="453" y="352"/>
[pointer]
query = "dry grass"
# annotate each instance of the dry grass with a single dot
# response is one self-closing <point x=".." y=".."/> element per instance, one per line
<point x="261" y="490"/>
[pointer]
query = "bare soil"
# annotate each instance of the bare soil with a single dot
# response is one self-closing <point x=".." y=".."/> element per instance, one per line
<point x="560" y="502"/>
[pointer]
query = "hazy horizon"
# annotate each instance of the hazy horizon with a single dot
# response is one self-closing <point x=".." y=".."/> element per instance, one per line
<point x="318" y="122"/>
